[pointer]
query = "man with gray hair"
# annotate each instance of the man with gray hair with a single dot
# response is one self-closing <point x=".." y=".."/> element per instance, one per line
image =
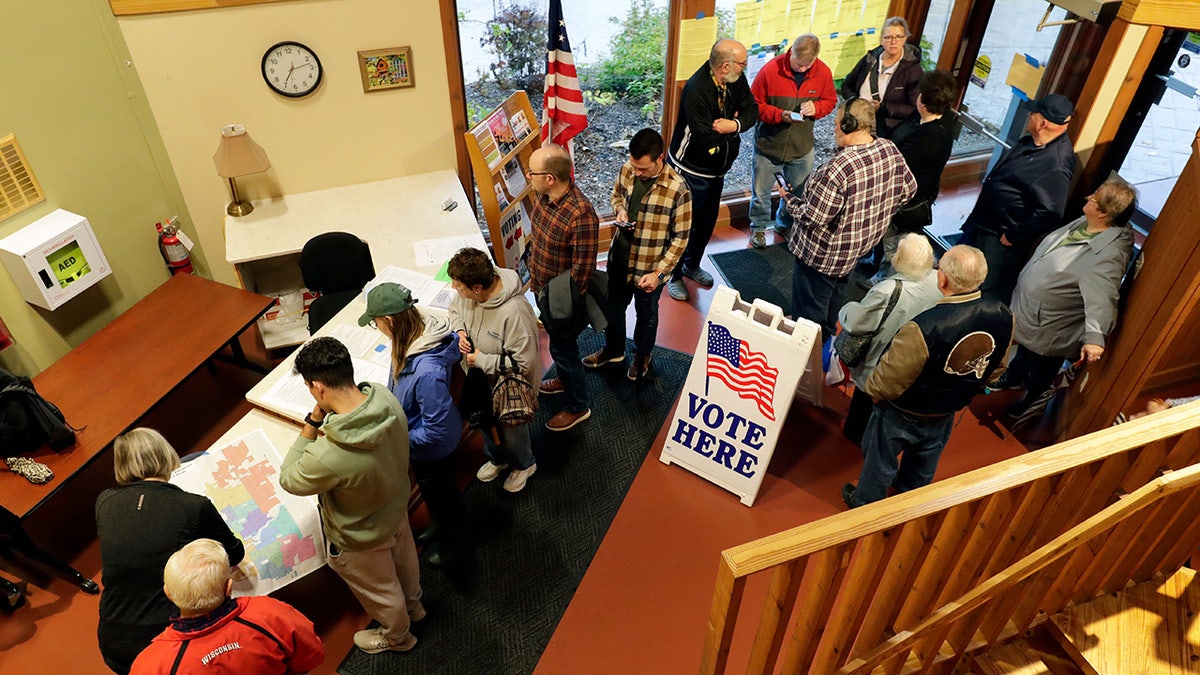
<point x="715" y="107"/>
<point x="792" y="90"/>
<point x="215" y="633"/>
<point x="932" y="369"/>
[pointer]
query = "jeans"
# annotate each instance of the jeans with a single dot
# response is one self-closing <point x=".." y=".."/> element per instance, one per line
<point x="706" y="201"/>
<point x="795" y="171"/>
<point x="818" y="297"/>
<point x="438" y="489"/>
<point x="889" y="433"/>
<point x="1004" y="264"/>
<point x="515" y="449"/>
<point x="564" y="349"/>
<point x="386" y="579"/>
<point x="620" y="294"/>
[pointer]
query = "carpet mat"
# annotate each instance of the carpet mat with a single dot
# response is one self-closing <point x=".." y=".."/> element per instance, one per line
<point x="497" y="614"/>
<point x="759" y="273"/>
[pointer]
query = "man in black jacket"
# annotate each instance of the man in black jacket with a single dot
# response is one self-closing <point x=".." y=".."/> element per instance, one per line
<point x="716" y="106"/>
<point x="932" y="369"/>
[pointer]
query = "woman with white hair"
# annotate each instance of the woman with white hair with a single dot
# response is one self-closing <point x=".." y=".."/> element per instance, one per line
<point x="139" y="525"/>
<point x="917" y="280"/>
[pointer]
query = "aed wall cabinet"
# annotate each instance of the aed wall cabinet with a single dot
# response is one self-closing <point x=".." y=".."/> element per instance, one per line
<point x="54" y="258"/>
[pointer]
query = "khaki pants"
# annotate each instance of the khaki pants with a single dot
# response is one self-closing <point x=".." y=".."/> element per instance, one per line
<point x="386" y="580"/>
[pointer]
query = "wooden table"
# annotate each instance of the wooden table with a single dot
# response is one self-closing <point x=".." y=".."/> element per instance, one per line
<point x="106" y="384"/>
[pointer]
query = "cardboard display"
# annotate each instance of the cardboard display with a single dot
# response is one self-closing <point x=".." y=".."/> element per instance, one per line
<point x="750" y="361"/>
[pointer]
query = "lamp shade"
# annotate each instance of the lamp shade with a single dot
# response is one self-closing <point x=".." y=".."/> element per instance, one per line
<point x="238" y="154"/>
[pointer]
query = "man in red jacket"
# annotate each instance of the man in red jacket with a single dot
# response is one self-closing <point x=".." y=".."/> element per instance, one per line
<point x="792" y="90"/>
<point x="215" y="634"/>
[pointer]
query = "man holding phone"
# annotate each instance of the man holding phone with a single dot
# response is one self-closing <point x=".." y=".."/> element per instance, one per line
<point x="792" y="90"/>
<point x="653" y="210"/>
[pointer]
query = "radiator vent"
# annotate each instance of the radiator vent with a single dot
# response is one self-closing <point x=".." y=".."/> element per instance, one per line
<point x="19" y="189"/>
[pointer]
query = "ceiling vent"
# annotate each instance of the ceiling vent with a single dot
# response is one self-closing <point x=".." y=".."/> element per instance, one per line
<point x="19" y="189"/>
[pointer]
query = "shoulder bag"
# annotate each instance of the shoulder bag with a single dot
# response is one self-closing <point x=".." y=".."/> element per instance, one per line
<point x="514" y="400"/>
<point x="852" y="348"/>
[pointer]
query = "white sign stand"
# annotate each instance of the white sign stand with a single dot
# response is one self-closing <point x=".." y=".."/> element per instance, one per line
<point x="750" y="361"/>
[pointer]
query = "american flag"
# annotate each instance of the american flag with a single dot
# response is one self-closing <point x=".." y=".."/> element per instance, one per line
<point x="743" y="371"/>
<point x="563" y="115"/>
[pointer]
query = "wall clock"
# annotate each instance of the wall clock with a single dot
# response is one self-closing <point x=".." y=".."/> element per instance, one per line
<point x="291" y="69"/>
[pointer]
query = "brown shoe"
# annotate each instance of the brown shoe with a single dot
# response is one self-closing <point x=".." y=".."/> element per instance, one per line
<point x="601" y="357"/>
<point x="552" y="386"/>
<point x="565" y="420"/>
<point x="639" y="367"/>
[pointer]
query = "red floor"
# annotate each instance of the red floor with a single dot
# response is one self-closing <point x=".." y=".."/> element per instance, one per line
<point x="643" y="604"/>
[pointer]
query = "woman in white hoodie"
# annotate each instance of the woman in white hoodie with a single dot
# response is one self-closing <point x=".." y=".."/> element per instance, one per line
<point x="491" y="317"/>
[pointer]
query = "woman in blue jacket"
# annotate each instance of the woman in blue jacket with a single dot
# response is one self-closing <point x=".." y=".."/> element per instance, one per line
<point x="423" y="353"/>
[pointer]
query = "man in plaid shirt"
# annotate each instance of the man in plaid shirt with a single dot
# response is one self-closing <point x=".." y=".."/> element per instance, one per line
<point x="847" y="205"/>
<point x="565" y="236"/>
<point x="653" y="218"/>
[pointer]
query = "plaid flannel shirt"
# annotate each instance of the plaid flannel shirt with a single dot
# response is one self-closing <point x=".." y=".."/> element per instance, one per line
<point x="664" y="220"/>
<point x="566" y="235"/>
<point x="847" y="205"/>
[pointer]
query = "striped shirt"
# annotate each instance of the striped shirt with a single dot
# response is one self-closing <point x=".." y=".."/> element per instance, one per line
<point x="663" y="221"/>
<point x="847" y="205"/>
<point x="566" y="235"/>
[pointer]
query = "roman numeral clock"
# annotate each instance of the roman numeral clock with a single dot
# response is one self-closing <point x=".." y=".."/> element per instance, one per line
<point x="291" y="69"/>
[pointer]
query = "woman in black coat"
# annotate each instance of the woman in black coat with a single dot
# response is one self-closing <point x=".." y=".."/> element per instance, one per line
<point x="888" y="76"/>
<point x="139" y="525"/>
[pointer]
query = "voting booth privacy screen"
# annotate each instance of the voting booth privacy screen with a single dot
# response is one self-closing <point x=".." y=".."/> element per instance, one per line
<point x="750" y="361"/>
<point x="54" y="259"/>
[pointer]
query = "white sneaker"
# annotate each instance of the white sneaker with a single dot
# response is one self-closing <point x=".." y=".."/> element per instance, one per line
<point x="373" y="641"/>
<point x="488" y="472"/>
<point x="517" y="479"/>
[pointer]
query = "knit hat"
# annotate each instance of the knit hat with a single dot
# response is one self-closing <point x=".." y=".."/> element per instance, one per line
<point x="386" y="299"/>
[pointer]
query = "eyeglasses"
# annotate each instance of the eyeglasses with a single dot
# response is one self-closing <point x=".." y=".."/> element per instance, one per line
<point x="894" y="38"/>
<point x="1092" y="199"/>
<point x="537" y="173"/>
<point x="740" y="63"/>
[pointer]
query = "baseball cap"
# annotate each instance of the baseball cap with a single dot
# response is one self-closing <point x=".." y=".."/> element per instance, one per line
<point x="386" y="299"/>
<point x="1056" y="108"/>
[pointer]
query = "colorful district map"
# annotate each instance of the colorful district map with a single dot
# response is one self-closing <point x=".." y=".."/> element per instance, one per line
<point x="282" y="532"/>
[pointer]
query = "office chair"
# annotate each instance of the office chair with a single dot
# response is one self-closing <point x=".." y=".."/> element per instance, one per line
<point x="338" y="265"/>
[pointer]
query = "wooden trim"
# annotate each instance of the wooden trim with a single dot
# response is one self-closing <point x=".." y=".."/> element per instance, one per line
<point x="672" y="88"/>
<point x="134" y="7"/>
<point x="451" y="48"/>
<point x="1169" y="13"/>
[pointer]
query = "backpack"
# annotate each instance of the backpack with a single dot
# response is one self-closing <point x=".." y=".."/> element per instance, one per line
<point x="514" y="400"/>
<point x="28" y="421"/>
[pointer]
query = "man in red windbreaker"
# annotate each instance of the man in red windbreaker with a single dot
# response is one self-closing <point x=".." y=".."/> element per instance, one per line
<point x="792" y="90"/>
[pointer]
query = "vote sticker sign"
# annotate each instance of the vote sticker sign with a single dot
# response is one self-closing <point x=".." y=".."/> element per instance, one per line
<point x="748" y="362"/>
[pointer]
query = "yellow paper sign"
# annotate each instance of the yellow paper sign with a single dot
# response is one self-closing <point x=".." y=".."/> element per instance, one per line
<point x="1024" y="76"/>
<point x="696" y="38"/>
<point x="746" y="18"/>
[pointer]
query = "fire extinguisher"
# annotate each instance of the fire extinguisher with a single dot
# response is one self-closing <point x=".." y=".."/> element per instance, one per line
<point x="173" y="251"/>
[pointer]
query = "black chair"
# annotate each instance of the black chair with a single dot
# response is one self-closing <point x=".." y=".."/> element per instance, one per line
<point x="338" y="265"/>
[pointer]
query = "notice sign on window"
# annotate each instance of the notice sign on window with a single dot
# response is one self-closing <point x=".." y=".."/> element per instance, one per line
<point x="979" y="74"/>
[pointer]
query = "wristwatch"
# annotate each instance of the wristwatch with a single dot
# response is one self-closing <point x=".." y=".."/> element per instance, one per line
<point x="311" y="422"/>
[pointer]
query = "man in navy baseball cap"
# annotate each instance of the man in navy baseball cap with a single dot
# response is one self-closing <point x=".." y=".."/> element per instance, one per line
<point x="1055" y="108"/>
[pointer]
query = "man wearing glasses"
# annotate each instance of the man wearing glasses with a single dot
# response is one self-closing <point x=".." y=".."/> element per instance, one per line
<point x="792" y="90"/>
<point x="715" y="107"/>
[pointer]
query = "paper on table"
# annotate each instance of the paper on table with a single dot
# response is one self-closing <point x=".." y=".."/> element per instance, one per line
<point x="433" y="252"/>
<point x="291" y="398"/>
<point x="424" y="287"/>
<point x="365" y="343"/>
<point x="696" y="38"/>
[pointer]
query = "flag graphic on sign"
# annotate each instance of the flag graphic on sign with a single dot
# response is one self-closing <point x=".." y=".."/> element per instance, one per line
<point x="743" y="371"/>
<point x="563" y="116"/>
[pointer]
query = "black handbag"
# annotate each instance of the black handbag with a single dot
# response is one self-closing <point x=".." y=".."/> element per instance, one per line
<point x="852" y="348"/>
<point x="913" y="216"/>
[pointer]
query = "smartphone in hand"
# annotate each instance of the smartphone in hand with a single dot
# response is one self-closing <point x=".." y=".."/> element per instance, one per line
<point x="782" y="182"/>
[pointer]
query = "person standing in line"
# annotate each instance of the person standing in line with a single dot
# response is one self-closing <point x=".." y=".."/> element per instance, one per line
<point x="215" y="634"/>
<point x="931" y="370"/>
<point x="653" y="218"/>
<point x="715" y="108"/>
<point x="887" y="76"/>
<point x="359" y="470"/>
<point x="139" y="525"/>
<point x="423" y="352"/>
<point x="847" y="205"/>
<point x="792" y="90"/>
<point x="1024" y="195"/>
<point x="492" y="318"/>
<point x="564" y="241"/>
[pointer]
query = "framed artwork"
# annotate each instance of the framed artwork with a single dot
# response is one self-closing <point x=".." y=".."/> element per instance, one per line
<point x="389" y="68"/>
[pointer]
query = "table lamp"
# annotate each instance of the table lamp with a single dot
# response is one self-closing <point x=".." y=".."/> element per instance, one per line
<point x="238" y="155"/>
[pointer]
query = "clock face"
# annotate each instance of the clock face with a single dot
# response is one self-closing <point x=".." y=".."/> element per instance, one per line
<point x="291" y="69"/>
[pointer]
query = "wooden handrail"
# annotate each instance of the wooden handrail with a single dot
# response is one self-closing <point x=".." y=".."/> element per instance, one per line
<point x="868" y="574"/>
